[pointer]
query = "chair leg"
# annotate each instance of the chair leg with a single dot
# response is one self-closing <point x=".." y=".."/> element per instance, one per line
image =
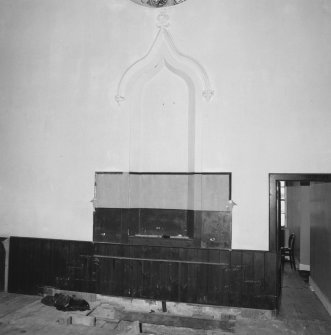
<point x="282" y="261"/>
<point x="292" y="261"/>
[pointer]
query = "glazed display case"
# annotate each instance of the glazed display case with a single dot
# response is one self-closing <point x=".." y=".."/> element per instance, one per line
<point x="189" y="209"/>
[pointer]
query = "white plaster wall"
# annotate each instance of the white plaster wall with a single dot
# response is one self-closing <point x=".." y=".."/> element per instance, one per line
<point x="60" y="62"/>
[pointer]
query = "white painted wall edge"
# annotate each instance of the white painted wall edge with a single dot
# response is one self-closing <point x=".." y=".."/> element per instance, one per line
<point x="304" y="267"/>
<point x="324" y="300"/>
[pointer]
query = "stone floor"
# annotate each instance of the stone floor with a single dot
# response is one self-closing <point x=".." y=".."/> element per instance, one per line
<point x="301" y="313"/>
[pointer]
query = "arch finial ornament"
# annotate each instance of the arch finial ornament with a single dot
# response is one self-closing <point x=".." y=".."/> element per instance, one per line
<point x="163" y="19"/>
<point x="164" y="51"/>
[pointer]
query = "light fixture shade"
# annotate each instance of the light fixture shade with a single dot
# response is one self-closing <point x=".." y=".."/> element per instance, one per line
<point x="158" y="3"/>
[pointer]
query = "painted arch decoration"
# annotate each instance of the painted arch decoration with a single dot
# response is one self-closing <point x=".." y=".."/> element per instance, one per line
<point x="164" y="53"/>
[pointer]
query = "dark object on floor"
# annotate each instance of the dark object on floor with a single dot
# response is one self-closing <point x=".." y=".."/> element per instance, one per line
<point x="289" y="251"/>
<point x="304" y="275"/>
<point x="48" y="300"/>
<point x="65" y="303"/>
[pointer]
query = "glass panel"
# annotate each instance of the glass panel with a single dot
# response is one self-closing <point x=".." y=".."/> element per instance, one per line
<point x="111" y="190"/>
<point x="166" y="191"/>
<point x="215" y="192"/>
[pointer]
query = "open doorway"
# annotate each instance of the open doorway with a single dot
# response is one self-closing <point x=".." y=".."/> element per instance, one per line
<point x="294" y="216"/>
<point x="300" y="204"/>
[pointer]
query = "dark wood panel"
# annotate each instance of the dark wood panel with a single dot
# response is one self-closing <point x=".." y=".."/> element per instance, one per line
<point x="169" y="222"/>
<point x="259" y="266"/>
<point x="178" y="227"/>
<point x="214" y="255"/>
<point x="161" y="242"/>
<point x="225" y="257"/>
<point x="248" y="285"/>
<point x="139" y="279"/>
<point x="34" y="263"/>
<point x="107" y="224"/>
<point x="202" y="283"/>
<point x="188" y="254"/>
<point x="163" y="252"/>
<point x="216" y="229"/>
<point x="270" y="272"/>
<point x="237" y="278"/>
<point x="192" y="283"/>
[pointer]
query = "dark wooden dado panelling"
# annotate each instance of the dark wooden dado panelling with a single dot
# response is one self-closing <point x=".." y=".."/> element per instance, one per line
<point x="237" y="278"/>
<point x="36" y="262"/>
<point x="163" y="252"/>
<point x="231" y="278"/>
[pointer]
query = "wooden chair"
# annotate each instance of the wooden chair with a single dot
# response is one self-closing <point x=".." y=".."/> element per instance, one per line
<point x="289" y="251"/>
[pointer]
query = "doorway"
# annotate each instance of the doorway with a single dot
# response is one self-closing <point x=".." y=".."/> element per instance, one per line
<point x="320" y="197"/>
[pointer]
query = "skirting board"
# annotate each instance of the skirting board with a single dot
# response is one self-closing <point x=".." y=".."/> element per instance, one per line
<point x="324" y="300"/>
<point x="304" y="267"/>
